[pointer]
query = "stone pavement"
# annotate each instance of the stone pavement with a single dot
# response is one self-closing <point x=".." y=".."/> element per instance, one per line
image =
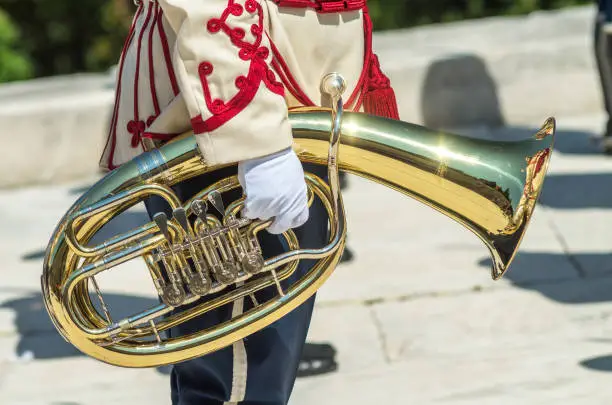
<point x="415" y="317"/>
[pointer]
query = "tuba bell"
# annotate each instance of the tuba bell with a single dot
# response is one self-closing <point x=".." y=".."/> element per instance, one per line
<point x="489" y="187"/>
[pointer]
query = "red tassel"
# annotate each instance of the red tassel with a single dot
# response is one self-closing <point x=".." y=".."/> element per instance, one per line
<point x="379" y="98"/>
<point x="381" y="103"/>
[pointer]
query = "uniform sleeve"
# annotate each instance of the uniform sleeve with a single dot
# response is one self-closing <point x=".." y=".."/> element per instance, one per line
<point x="221" y="58"/>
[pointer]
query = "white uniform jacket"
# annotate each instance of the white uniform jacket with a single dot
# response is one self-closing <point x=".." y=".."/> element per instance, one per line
<point x="231" y="69"/>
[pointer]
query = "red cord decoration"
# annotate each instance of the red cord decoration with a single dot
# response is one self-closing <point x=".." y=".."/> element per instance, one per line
<point x="259" y="71"/>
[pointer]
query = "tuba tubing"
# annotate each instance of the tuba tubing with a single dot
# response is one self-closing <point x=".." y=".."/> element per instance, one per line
<point x="489" y="187"/>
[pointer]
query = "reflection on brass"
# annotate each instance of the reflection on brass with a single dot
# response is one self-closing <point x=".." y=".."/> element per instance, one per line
<point x="441" y="171"/>
<point x="198" y="261"/>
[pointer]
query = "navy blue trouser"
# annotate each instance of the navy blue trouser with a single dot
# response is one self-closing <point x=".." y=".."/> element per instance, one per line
<point x="262" y="368"/>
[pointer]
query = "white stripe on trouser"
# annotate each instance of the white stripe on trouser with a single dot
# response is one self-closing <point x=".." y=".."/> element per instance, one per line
<point x="239" y="374"/>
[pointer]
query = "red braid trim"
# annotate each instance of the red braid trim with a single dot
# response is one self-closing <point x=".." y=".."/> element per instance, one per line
<point x="248" y="86"/>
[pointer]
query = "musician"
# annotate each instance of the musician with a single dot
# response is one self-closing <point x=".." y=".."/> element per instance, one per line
<point x="603" y="55"/>
<point x="229" y="70"/>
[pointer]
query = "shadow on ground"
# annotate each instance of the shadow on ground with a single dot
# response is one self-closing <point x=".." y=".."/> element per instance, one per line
<point x="577" y="191"/>
<point x="601" y="363"/>
<point x="39" y="338"/>
<point x="551" y="275"/>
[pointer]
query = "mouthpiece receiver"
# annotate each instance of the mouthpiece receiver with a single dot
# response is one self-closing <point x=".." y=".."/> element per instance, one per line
<point x="334" y="85"/>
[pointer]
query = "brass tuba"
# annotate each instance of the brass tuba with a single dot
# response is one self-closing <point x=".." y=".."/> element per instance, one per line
<point x="489" y="187"/>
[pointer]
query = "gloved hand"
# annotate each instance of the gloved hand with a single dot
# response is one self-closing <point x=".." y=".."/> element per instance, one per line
<point x="275" y="188"/>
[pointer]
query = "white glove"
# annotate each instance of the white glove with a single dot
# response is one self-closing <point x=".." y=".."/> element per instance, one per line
<point x="275" y="188"/>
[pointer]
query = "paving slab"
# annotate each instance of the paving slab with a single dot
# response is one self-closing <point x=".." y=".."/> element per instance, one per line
<point x="81" y="381"/>
<point x="502" y="346"/>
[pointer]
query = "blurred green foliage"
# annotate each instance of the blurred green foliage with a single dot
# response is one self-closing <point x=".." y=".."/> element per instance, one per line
<point x="66" y="36"/>
<point x="14" y="64"/>
<point x="49" y="37"/>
